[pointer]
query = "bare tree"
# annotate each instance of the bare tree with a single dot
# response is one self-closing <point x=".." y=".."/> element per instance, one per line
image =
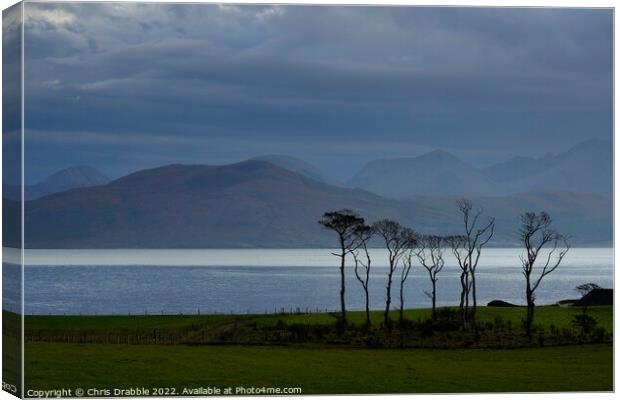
<point x="536" y="233"/>
<point x="397" y="240"/>
<point x="429" y="252"/>
<point x="361" y="256"/>
<point x="584" y="321"/>
<point x="404" y="274"/>
<point x="586" y="288"/>
<point x="344" y="223"/>
<point x="458" y="244"/>
<point x="477" y="235"/>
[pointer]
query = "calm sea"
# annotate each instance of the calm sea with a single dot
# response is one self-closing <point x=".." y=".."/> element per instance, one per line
<point x="258" y="281"/>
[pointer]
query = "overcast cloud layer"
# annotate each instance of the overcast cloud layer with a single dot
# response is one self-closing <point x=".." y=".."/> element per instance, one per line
<point x="123" y="86"/>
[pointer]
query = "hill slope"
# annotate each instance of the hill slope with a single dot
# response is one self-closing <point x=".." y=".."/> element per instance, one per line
<point x="66" y="179"/>
<point x="300" y="166"/>
<point x="586" y="167"/>
<point x="436" y="173"/>
<point x="249" y="204"/>
<point x="257" y="204"/>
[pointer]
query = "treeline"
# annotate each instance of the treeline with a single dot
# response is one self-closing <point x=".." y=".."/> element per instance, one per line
<point x="544" y="250"/>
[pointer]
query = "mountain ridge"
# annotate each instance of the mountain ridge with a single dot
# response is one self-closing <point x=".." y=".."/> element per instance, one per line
<point x="437" y="172"/>
<point x="255" y="204"/>
<point x="298" y="165"/>
<point x="585" y="167"/>
<point x="60" y="181"/>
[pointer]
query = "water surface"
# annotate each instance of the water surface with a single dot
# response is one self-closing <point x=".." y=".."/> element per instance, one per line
<point x="257" y="281"/>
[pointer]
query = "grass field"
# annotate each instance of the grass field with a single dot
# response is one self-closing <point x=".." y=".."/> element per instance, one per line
<point x="315" y="368"/>
<point x="12" y="350"/>
<point x="546" y="316"/>
<point x="325" y="370"/>
<point x="11" y="362"/>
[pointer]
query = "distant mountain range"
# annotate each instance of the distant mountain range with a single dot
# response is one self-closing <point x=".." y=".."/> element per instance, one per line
<point x="69" y="178"/>
<point x="438" y="173"/>
<point x="587" y="168"/>
<point x="299" y="166"/>
<point x="276" y="201"/>
<point x="256" y="204"/>
<point x="248" y="204"/>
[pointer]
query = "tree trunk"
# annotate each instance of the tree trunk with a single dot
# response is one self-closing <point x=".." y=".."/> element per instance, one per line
<point x="530" y="308"/>
<point x="367" y="305"/>
<point x="434" y="299"/>
<point x="530" y="318"/>
<point x="402" y="303"/>
<point x="343" y="307"/>
<point x="474" y="303"/>
<point x="467" y="288"/>
<point x="388" y="301"/>
<point x="462" y="303"/>
<point x="464" y="297"/>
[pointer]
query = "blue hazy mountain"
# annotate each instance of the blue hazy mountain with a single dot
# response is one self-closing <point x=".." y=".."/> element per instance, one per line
<point x="69" y="178"/>
<point x="248" y="204"/>
<point x="300" y="166"/>
<point x="256" y="204"/>
<point x="586" y="167"/>
<point x="437" y="173"/>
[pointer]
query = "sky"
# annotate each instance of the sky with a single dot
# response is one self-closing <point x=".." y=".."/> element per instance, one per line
<point x="127" y="86"/>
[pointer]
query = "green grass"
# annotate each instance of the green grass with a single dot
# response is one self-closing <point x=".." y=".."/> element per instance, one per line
<point x="11" y="361"/>
<point x="12" y="349"/>
<point x="319" y="371"/>
<point x="121" y="322"/>
<point x="559" y="316"/>
<point x="317" y="368"/>
<point x="500" y="328"/>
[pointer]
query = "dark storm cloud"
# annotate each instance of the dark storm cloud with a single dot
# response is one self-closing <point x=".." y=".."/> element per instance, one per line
<point x="146" y="84"/>
<point x="11" y="93"/>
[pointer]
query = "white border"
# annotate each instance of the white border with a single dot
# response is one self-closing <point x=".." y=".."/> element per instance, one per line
<point x="474" y="3"/>
<point x="23" y="269"/>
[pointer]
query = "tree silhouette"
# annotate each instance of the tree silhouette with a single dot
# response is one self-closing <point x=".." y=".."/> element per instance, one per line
<point x="477" y="235"/>
<point x="397" y="240"/>
<point x="361" y="256"/>
<point x="536" y="233"/>
<point x="407" y="265"/>
<point x="429" y="251"/>
<point x="586" y="288"/>
<point x="344" y="223"/>
<point x="458" y="244"/>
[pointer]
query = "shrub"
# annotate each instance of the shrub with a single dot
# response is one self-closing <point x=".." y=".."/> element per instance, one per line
<point x="426" y="328"/>
<point x="599" y="334"/>
<point x="499" y="324"/>
<point x="584" y="322"/>
<point x="553" y="330"/>
<point x="446" y="320"/>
